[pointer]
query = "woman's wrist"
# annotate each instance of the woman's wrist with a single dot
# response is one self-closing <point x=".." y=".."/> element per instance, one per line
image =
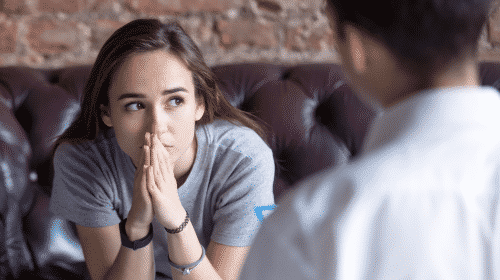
<point x="135" y="232"/>
<point x="135" y="244"/>
<point x="180" y="227"/>
<point x="176" y="219"/>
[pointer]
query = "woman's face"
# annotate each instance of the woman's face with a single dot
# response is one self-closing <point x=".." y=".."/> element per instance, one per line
<point x="153" y="92"/>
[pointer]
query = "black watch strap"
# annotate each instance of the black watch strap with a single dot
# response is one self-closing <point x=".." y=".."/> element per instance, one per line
<point x="140" y="243"/>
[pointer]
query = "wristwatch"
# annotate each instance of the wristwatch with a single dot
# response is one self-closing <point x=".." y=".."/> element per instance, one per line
<point x="140" y="243"/>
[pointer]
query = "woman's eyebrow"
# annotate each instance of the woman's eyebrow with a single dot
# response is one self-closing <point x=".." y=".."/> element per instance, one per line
<point x="140" y="95"/>
<point x="174" y="90"/>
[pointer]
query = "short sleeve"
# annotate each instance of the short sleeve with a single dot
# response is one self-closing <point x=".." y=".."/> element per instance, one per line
<point x="80" y="192"/>
<point x="246" y="195"/>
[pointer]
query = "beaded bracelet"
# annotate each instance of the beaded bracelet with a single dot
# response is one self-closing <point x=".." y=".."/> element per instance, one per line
<point x="181" y="227"/>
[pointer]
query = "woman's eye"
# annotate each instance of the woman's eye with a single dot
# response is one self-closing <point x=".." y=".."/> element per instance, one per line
<point x="176" y="101"/>
<point x="135" y="106"/>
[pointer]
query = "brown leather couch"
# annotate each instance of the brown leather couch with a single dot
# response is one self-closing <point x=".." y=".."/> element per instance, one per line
<point x="314" y="120"/>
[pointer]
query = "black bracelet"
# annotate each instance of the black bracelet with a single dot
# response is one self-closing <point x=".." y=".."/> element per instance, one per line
<point x="181" y="227"/>
<point x="138" y="244"/>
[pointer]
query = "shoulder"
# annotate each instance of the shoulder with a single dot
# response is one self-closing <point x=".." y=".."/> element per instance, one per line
<point x="311" y="198"/>
<point x="239" y="138"/>
<point x="68" y="152"/>
<point x="292" y="236"/>
<point x="327" y="195"/>
<point x="89" y="151"/>
<point x="87" y="186"/>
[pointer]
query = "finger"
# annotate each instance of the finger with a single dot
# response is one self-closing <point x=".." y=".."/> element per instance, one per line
<point x="160" y="151"/>
<point x="152" y="185"/>
<point x="147" y="140"/>
<point x="151" y="180"/>
<point x="166" y="160"/>
<point x="144" y="183"/>
<point x="147" y="156"/>
<point x="158" y="158"/>
<point x="154" y="148"/>
<point x="152" y="145"/>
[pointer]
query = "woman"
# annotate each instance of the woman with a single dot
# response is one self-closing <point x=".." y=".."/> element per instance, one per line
<point x="159" y="170"/>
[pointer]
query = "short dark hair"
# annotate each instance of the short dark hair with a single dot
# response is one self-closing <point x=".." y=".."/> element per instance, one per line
<point x="422" y="34"/>
<point x="147" y="35"/>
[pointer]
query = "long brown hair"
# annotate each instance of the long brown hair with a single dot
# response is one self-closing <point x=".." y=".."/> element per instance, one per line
<point x="145" y="35"/>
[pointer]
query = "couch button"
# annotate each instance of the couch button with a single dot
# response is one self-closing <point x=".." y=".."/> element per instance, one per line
<point x="33" y="176"/>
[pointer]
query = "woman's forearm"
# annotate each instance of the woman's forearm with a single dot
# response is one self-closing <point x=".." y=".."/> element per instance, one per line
<point x="185" y="248"/>
<point x="130" y="264"/>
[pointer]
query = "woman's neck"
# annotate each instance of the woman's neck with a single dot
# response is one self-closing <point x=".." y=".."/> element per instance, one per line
<point x="460" y="74"/>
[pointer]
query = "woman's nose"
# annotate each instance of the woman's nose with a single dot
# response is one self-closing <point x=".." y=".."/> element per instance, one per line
<point x="158" y="121"/>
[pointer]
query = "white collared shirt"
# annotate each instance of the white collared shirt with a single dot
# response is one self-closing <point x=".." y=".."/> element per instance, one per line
<point x="421" y="202"/>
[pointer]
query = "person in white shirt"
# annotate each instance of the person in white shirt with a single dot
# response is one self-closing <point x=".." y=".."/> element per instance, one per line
<point x="422" y="199"/>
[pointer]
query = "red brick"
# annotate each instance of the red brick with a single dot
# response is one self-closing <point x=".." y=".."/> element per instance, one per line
<point x="168" y="7"/>
<point x="19" y="7"/>
<point x="494" y="27"/>
<point x="247" y="32"/>
<point x="51" y="37"/>
<point x="311" y="4"/>
<point x="296" y="40"/>
<point x="103" y="30"/>
<point x="320" y="36"/>
<point x="32" y="60"/>
<point x="279" y="5"/>
<point x="64" y="6"/>
<point x="201" y="31"/>
<point x="269" y="5"/>
<point x="104" y="5"/>
<point x="8" y="33"/>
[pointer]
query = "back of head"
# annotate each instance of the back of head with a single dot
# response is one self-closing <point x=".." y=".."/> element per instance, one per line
<point x="422" y="34"/>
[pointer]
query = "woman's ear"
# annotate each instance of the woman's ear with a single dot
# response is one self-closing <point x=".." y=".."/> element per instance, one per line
<point x="200" y="108"/>
<point x="106" y="116"/>
<point x="357" y="50"/>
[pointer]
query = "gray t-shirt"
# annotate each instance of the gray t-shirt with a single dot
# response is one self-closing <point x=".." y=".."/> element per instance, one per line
<point x="230" y="181"/>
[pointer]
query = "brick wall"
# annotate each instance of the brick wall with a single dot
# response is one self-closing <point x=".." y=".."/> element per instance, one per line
<point x="55" y="33"/>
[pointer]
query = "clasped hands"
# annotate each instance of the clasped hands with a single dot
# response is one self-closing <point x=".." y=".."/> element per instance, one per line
<point x="155" y="189"/>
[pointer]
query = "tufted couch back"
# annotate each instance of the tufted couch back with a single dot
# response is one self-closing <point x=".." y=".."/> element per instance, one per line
<point x="314" y="121"/>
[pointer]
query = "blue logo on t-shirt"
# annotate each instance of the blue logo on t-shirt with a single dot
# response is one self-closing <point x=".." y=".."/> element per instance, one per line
<point x="259" y="211"/>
